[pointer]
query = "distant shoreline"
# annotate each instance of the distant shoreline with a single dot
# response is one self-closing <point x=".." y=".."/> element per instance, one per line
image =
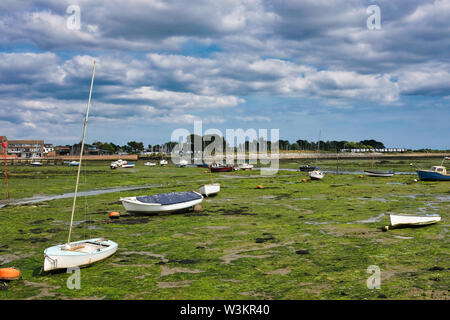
<point x="281" y="156"/>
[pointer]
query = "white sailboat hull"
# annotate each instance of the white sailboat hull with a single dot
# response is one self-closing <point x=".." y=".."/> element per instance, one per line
<point x="245" y="166"/>
<point x="131" y="204"/>
<point x="209" y="189"/>
<point x="90" y="251"/>
<point x="400" y="219"/>
<point x="378" y="174"/>
<point x="316" y="175"/>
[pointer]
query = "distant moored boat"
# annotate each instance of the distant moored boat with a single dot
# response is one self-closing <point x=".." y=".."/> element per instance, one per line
<point x="377" y="173"/>
<point x="437" y="173"/>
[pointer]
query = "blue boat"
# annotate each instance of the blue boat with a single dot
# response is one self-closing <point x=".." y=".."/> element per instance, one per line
<point x="436" y="173"/>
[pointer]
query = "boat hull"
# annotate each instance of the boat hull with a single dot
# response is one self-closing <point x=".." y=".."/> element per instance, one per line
<point x="316" y="175"/>
<point x="307" y="168"/>
<point x="403" y="220"/>
<point x="371" y="173"/>
<point x="222" y="169"/>
<point x="428" y="175"/>
<point x="131" y="204"/>
<point x="209" y="189"/>
<point x="57" y="258"/>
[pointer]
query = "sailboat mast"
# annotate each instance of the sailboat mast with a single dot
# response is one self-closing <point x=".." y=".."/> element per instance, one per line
<point x="81" y="154"/>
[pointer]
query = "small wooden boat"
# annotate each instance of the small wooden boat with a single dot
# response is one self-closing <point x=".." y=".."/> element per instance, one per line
<point x="245" y="166"/>
<point x="437" y="173"/>
<point x="403" y="219"/>
<point x="209" y="189"/>
<point x="78" y="253"/>
<point x="149" y="164"/>
<point x="163" y="202"/>
<point x="183" y="163"/>
<point x="307" y="168"/>
<point x="316" y="175"/>
<point x="8" y="274"/>
<point x="219" y="167"/>
<point x="377" y="173"/>
<point x="121" y="164"/>
<point x="118" y="163"/>
<point x="128" y="165"/>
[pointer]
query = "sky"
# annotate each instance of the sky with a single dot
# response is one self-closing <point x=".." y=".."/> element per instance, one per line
<point x="303" y="67"/>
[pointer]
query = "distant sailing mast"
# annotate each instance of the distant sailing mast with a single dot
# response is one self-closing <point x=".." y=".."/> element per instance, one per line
<point x="5" y="145"/>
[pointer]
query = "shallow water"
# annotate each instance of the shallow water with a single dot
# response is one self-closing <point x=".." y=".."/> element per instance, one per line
<point x="96" y="192"/>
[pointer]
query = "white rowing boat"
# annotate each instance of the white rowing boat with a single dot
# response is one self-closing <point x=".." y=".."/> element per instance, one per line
<point x="209" y="189"/>
<point x="376" y="173"/>
<point x="150" y="164"/>
<point x="162" y="202"/>
<point x="403" y="219"/>
<point x="244" y="166"/>
<point x="128" y="165"/>
<point x="316" y="175"/>
<point x="163" y="162"/>
<point x="84" y="252"/>
<point x="78" y="253"/>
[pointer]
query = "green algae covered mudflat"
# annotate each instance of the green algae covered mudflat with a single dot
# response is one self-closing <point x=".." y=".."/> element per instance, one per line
<point x="289" y="240"/>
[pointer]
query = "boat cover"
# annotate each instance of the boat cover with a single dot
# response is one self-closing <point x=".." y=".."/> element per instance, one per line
<point x="170" y="198"/>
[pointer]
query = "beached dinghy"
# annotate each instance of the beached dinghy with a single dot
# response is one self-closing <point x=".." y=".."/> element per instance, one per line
<point x="128" y="165"/>
<point x="219" y="167"/>
<point x="84" y="252"/>
<point x="404" y="220"/>
<point x="163" y="202"/>
<point x="244" y="166"/>
<point x="209" y="189"/>
<point x="183" y="163"/>
<point x="163" y="162"/>
<point x="150" y="164"/>
<point x="78" y="253"/>
<point x="36" y="164"/>
<point x="307" y="168"/>
<point x="316" y="175"/>
<point x="377" y="173"/>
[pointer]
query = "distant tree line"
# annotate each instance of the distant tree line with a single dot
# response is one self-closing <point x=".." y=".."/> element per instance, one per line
<point x="206" y="140"/>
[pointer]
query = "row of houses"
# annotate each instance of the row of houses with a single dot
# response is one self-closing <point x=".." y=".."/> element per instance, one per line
<point x="385" y="150"/>
<point x="29" y="149"/>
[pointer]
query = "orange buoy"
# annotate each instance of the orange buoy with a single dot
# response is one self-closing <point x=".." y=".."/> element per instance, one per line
<point x="260" y="187"/>
<point x="361" y="176"/>
<point x="114" y="215"/>
<point x="303" y="180"/>
<point x="9" y="274"/>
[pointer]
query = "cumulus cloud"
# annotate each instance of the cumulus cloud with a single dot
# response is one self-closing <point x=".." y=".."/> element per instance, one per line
<point x="173" y="62"/>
